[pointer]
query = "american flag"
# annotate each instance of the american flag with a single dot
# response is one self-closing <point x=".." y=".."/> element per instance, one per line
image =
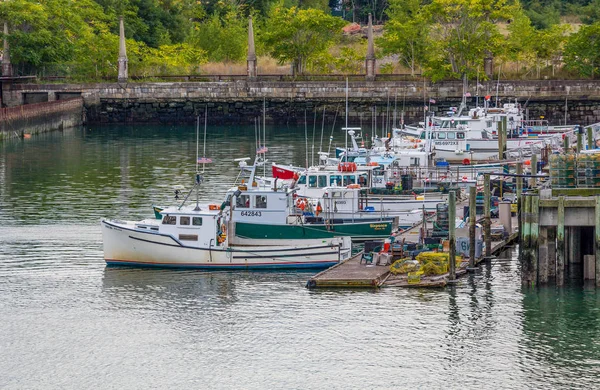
<point x="204" y="160"/>
<point x="432" y="101"/>
<point x="261" y="150"/>
<point x="468" y="94"/>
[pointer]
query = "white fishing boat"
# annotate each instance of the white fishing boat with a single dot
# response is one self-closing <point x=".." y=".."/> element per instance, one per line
<point x="197" y="238"/>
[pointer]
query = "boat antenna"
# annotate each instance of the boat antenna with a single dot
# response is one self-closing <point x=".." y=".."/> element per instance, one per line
<point x="265" y="136"/>
<point x="306" y="138"/>
<point x="204" y="148"/>
<point x="498" y="83"/>
<point x="312" y="158"/>
<point x="346" y="137"/>
<point x="387" y="111"/>
<point x="322" y="130"/>
<point x="197" y="140"/>
<point x="395" y="107"/>
<point x="332" y="129"/>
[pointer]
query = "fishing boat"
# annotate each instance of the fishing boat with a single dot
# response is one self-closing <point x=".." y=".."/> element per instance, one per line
<point x="190" y="237"/>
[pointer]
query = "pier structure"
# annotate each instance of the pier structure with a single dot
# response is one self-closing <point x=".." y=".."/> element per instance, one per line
<point x="123" y="74"/>
<point x="560" y="237"/>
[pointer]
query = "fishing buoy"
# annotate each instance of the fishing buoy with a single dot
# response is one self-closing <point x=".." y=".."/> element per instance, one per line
<point x="466" y="161"/>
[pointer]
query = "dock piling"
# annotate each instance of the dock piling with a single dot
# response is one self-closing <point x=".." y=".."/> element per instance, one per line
<point x="533" y="240"/>
<point x="533" y="180"/>
<point x="560" y="242"/>
<point x="543" y="256"/>
<point x="487" y="228"/>
<point x="597" y="241"/>
<point x="472" y="221"/>
<point x="525" y="236"/>
<point x="452" y="233"/>
<point x="590" y="138"/>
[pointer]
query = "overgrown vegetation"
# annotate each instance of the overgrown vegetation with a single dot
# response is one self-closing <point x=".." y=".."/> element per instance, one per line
<point x="442" y="39"/>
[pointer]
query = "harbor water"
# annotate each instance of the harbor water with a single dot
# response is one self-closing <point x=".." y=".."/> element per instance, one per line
<point x="67" y="321"/>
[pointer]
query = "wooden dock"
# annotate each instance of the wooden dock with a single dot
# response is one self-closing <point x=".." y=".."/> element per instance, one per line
<point x="354" y="274"/>
<point x="350" y="273"/>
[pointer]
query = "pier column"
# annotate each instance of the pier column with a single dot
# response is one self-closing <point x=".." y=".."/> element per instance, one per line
<point x="487" y="228"/>
<point x="526" y="276"/>
<point x="597" y="240"/>
<point x="590" y="138"/>
<point x="543" y="255"/>
<point x="370" y="60"/>
<point x="534" y="238"/>
<point x="574" y="245"/>
<point x="452" y="233"/>
<point x="566" y="143"/>
<point x="251" y="60"/>
<point x="533" y="180"/>
<point x="6" y="65"/>
<point x="552" y="252"/>
<point x="472" y="221"/>
<point x="579" y="140"/>
<point x="560" y="242"/>
<point x="520" y="202"/>
<point x="122" y="77"/>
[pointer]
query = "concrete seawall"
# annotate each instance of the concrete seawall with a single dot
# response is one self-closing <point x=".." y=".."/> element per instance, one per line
<point x="241" y="101"/>
<point x="40" y="117"/>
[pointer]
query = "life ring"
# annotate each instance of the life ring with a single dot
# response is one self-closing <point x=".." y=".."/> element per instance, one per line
<point x="353" y="186"/>
<point x="464" y="179"/>
<point x="301" y="204"/>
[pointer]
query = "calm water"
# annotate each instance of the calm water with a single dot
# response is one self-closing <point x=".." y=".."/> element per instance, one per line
<point x="67" y="321"/>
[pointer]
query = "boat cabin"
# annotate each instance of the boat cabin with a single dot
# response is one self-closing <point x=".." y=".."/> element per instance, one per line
<point x="204" y="228"/>
<point x="258" y="204"/>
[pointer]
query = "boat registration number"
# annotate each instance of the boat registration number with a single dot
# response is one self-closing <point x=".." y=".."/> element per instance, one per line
<point x="251" y="213"/>
<point x="446" y="142"/>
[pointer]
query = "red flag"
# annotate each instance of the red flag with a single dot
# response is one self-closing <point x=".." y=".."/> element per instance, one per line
<point x="488" y="97"/>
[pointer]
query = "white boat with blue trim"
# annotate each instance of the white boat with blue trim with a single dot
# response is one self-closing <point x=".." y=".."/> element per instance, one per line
<point x="188" y="237"/>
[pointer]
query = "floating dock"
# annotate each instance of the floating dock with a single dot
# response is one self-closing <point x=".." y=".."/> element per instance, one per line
<point x="355" y="273"/>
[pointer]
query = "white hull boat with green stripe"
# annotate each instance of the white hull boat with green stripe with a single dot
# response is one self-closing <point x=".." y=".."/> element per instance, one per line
<point x="197" y="238"/>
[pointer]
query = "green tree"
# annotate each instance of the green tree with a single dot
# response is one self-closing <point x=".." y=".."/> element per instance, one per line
<point x="406" y="33"/>
<point x="464" y="32"/>
<point x="582" y="51"/>
<point x="224" y="37"/>
<point x="548" y="45"/>
<point x="299" y="35"/>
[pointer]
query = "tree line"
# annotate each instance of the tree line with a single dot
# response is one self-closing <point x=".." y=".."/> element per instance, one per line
<point x="441" y="39"/>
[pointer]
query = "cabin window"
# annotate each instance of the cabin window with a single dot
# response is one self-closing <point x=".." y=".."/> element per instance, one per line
<point x="261" y="202"/>
<point x="184" y="220"/>
<point x="488" y="124"/>
<point x="335" y="180"/>
<point x="349" y="179"/>
<point x="322" y="181"/>
<point x="451" y="135"/>
<point x="197" y="221"/>
<point x="302" y="179"/>
<point x="169" y="220"/>
<point x="188" y="237"/>
<point x="460" y="135"/>
<point x="463" y="123"/>
<point x="312" y="181"/>
<point x="422" y="135"/>
<point x="441" y="135"/>
<point x="415" y="161"/>
<point x="362" y="180"/>
<point x="243" y="201"/>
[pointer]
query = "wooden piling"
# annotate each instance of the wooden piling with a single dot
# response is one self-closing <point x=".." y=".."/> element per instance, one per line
<point x="590" y="138"/>
<point x="552" y="252"/>
<point x="597" y="237"/>
<point x="504" y="130"/>
<point x="472" y="221"/>
<point x="560" y="242"/>
<point x="533" y="240"/>
<point x="487" y="228"/>
<point x="452" y="233"/>
<point x="519" y="201"/>
<point x="579" y="141"/>
<point x="525" y="235"/>
<point x="566" y="143"/>
<point x="532" y="181"/>
<point x="500" y="134"/>
<point x="543" y="255"/>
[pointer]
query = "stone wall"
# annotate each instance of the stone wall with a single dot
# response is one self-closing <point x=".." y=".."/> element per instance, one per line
<point x="40" y="117"/>
<point x="286" y="102"/>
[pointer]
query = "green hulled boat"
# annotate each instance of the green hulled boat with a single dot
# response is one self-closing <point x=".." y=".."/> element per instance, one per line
<point x="359" y="231"/>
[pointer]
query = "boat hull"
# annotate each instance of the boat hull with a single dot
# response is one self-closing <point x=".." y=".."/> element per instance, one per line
<point x="358" y="231"/>
<point x="126" y="246"/>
